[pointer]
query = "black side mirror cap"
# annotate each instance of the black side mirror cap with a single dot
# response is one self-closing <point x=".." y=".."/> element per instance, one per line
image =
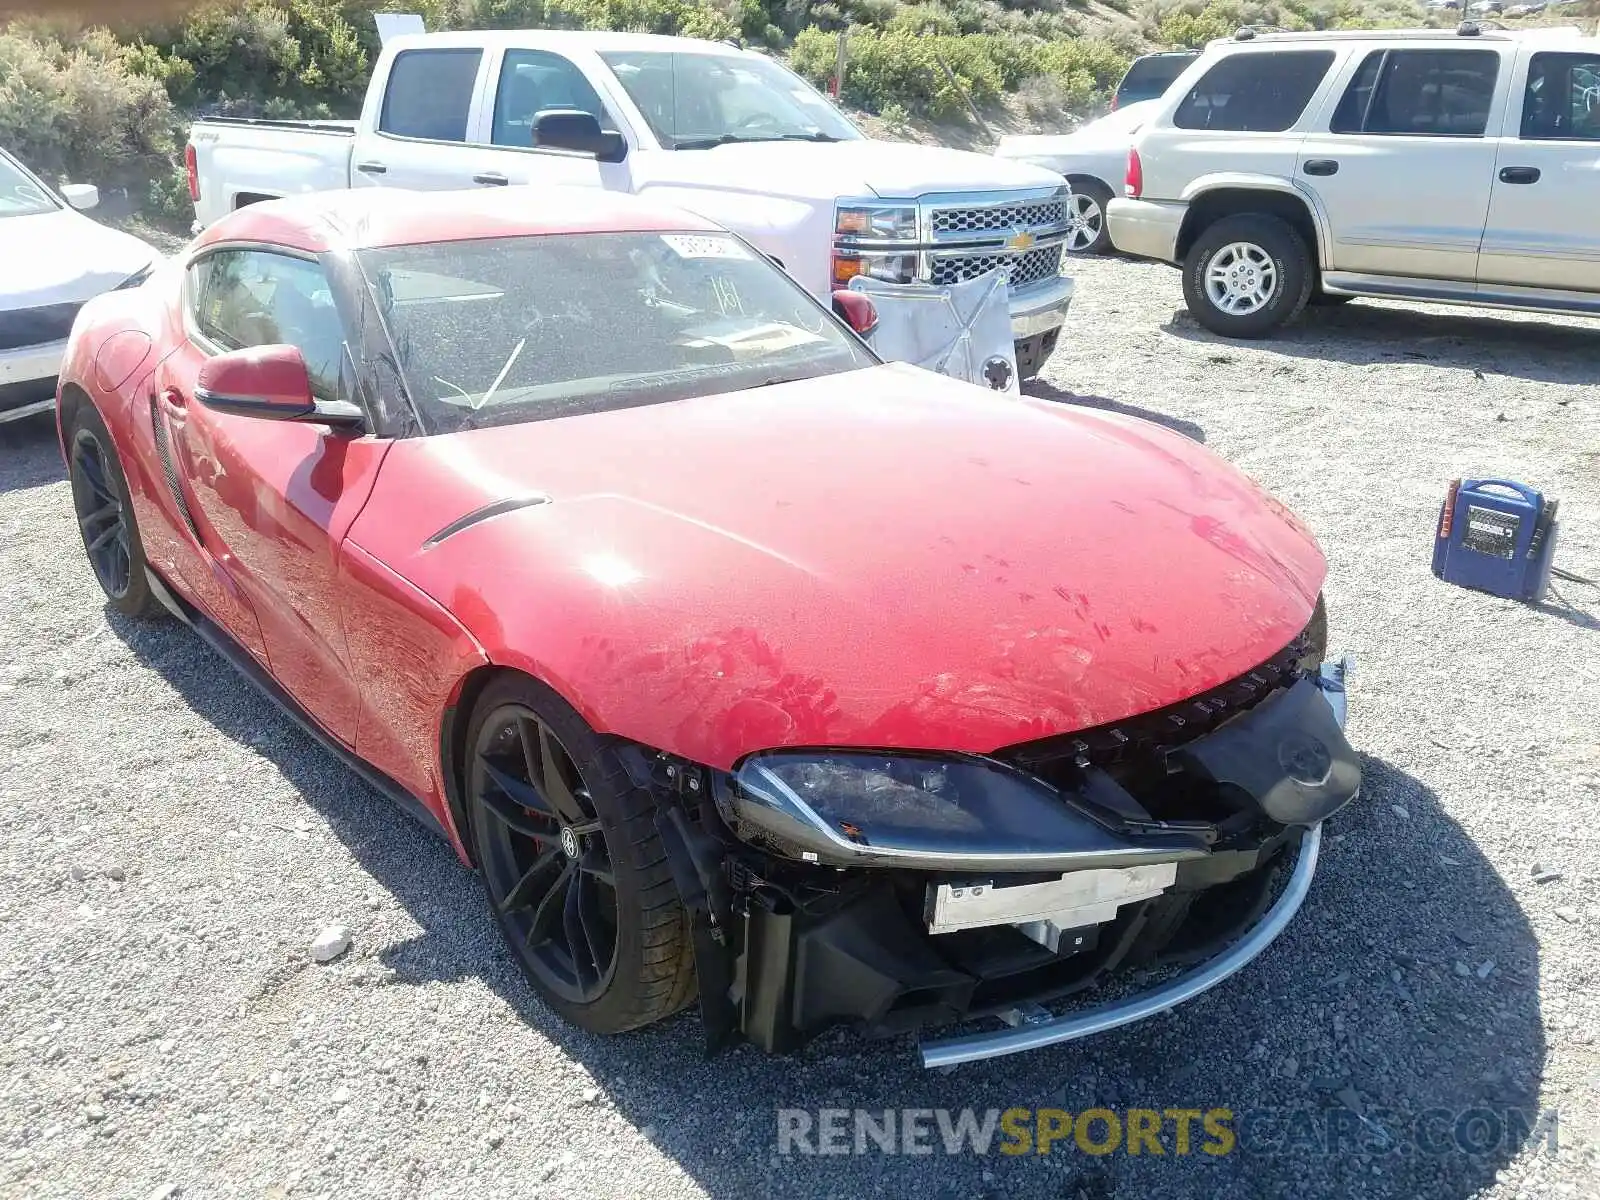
<point x="574" y="129"/>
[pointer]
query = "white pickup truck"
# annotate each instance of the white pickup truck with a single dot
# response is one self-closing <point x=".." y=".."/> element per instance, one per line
<point x="724" y="132"/>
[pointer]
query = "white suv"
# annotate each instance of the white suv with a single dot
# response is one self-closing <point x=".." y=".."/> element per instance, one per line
<point x="1457" y="166"/>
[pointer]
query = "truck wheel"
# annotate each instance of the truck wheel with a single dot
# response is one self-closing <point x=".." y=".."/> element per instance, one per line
<point x="1086" y="216"/>
<point x="1246" y="275"/>
<point x="568" y="850"/>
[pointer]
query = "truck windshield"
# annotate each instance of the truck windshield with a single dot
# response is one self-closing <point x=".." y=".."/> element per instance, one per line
<point x="696" y="101"/>
<point x="20" y="196"/>
<point x="505" y="330"/>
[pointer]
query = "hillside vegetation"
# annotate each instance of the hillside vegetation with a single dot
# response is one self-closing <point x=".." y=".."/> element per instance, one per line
<point x="111" y="106"/>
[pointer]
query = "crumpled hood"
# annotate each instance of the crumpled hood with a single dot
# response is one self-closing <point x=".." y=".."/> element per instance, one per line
<point x="829" y="170"/>
<point x="887" y="559"/>
<point x="63" y="257"/>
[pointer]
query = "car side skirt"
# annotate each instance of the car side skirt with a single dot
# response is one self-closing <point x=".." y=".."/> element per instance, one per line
<point x="241" y="661"/>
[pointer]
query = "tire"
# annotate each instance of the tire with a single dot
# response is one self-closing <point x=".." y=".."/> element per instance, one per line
<point x="106" y="519"/>
<point x="1267" y="251"/>
<point x="1087" y="222"/>
<point x="556" y="823"/>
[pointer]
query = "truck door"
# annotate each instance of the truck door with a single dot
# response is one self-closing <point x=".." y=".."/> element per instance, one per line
<point x="1403" y="166"/>
<point x="529" y="82"/>
<point x="1544" y="210"/>
<point x="414" y="131"/>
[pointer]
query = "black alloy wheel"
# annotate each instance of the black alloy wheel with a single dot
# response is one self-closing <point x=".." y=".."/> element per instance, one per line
<point x="105" y="518"/>
<point x="544" y="853"/>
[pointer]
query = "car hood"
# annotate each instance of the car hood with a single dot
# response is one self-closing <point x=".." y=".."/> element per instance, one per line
<point x="831" y="170"/>
<point x="886" y="559"/>
<point x="63" y="257"/>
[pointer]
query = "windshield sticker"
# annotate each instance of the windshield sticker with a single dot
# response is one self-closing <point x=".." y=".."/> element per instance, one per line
<point x="690" y="246"/>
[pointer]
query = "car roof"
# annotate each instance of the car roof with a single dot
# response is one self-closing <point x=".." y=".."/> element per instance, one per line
<point x="365" y="218"/>
<point x="1481" y="32"/>
<point x="599" y="40"/>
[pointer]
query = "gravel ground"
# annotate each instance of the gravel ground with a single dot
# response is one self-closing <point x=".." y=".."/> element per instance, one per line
<point x="174" y="846"/>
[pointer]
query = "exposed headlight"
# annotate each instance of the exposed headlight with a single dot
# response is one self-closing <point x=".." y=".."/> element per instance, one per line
<point x="877" y="222"/>
<point x="138" y="277"/>
<point x="854" y="808"/>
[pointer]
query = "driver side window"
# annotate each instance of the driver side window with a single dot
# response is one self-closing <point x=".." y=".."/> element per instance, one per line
<point x="536" y="81"/>
<point x="241" y="298"/>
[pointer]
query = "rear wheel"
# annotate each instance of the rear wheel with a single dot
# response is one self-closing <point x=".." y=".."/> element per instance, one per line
<point x="105" y="517"/>
<point x="1246" y="275"/>
<point x="1086" y="217"/>
<point x="575" y="871"/>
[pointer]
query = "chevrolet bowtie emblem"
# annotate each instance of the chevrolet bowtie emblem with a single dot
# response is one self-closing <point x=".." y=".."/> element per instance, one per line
<point x="1020" y="240"/>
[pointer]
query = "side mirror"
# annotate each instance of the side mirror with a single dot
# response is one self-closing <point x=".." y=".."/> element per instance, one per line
<point x="574" y="129"/>
<point x="81" y="196"/>
<point x="269" y="382"/>
<point x="855" y="310"/>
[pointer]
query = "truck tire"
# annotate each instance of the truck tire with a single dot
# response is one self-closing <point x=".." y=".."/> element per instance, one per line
<point x="1246" y="275"/>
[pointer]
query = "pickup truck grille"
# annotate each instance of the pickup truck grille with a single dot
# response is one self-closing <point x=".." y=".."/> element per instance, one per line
<point x="1001" y="216"/>
<point x="1032" y="267"/>
<point x="36" y="326"/>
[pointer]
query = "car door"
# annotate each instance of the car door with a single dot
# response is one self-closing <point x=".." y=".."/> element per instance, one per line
<point x="1544" y="209"/>
<point x="271" y="500"/>
<point x="1402" y="166"/>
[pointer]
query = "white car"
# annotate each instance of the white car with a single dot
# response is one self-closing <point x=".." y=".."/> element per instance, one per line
<point x="55" y="260"/>
<point x="1094" y="159"/>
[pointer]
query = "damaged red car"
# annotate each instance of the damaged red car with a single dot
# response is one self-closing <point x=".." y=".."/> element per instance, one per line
<point x="739" y="664"/>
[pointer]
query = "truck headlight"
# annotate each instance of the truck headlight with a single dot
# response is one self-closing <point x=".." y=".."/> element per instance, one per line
<point x="897" y="222"/>
<point x="855" y="808"/>
<point x="891" y="268"/>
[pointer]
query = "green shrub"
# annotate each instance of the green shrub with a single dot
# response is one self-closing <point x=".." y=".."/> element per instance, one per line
<point x="79" y="113"/>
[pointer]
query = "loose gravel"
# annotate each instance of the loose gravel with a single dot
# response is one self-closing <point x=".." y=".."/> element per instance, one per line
<point x="178" y="857"/>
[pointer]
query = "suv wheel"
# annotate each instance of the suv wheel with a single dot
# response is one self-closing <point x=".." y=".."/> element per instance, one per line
<point x="1247" y="275"/>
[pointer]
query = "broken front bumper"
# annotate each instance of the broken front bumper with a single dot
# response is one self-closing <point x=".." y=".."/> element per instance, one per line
<point x="1033" y="1028"/>
<point x="942" y="928"/>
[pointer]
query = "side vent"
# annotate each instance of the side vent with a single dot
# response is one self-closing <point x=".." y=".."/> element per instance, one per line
<point x="158" y="426"/>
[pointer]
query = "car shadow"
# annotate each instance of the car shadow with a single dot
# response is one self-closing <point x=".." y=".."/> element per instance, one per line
<point x="29" y="457"/>
<point x="1364" y="334"/>
<point x="1405" y="992"/>
<point x="1041" y="390"/>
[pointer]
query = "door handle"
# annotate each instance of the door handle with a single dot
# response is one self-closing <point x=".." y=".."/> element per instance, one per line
<point x="1321" y="166"/>
<point x="1519" y="174"/>
<point x="372" y="168"/>
<point x="491" y="179"/>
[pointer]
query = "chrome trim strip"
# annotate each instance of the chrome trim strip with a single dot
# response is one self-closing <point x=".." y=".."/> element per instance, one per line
<point x="27" y="410"/>
<point x="950" y="1052"/>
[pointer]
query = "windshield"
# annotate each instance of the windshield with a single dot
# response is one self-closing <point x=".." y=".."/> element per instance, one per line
<point x="505" y="330"/>
<point x="695" y="101"/>
<point x="20" y="196"/>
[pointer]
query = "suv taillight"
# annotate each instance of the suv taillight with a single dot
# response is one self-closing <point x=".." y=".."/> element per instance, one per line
<point x="1133" y="185"/>
<point x="192" y="169"/>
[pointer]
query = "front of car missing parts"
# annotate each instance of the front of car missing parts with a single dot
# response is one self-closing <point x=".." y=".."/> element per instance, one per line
<point x="899" y="892"/>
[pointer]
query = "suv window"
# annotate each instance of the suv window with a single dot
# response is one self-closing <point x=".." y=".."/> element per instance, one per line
<point x="535" y="81"/>
<point x="1432" y="93"/>
<point x="429" y="94"/>
<point x="1563" y="97"/>
<point x="241" y="298"/>
<point x="1263" y="93"/>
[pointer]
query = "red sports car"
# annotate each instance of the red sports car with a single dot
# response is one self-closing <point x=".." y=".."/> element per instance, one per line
<point x="734" y="659"/>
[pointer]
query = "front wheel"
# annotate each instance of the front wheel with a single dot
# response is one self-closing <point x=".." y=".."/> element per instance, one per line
<point x="574" y="868"/>
<point x="105" y="517"/>
<point x="1247" y="275"/>
<point x="1086" y="217"/>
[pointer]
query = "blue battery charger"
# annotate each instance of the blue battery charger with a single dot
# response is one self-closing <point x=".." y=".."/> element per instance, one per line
<point x="1498" y="536"/>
